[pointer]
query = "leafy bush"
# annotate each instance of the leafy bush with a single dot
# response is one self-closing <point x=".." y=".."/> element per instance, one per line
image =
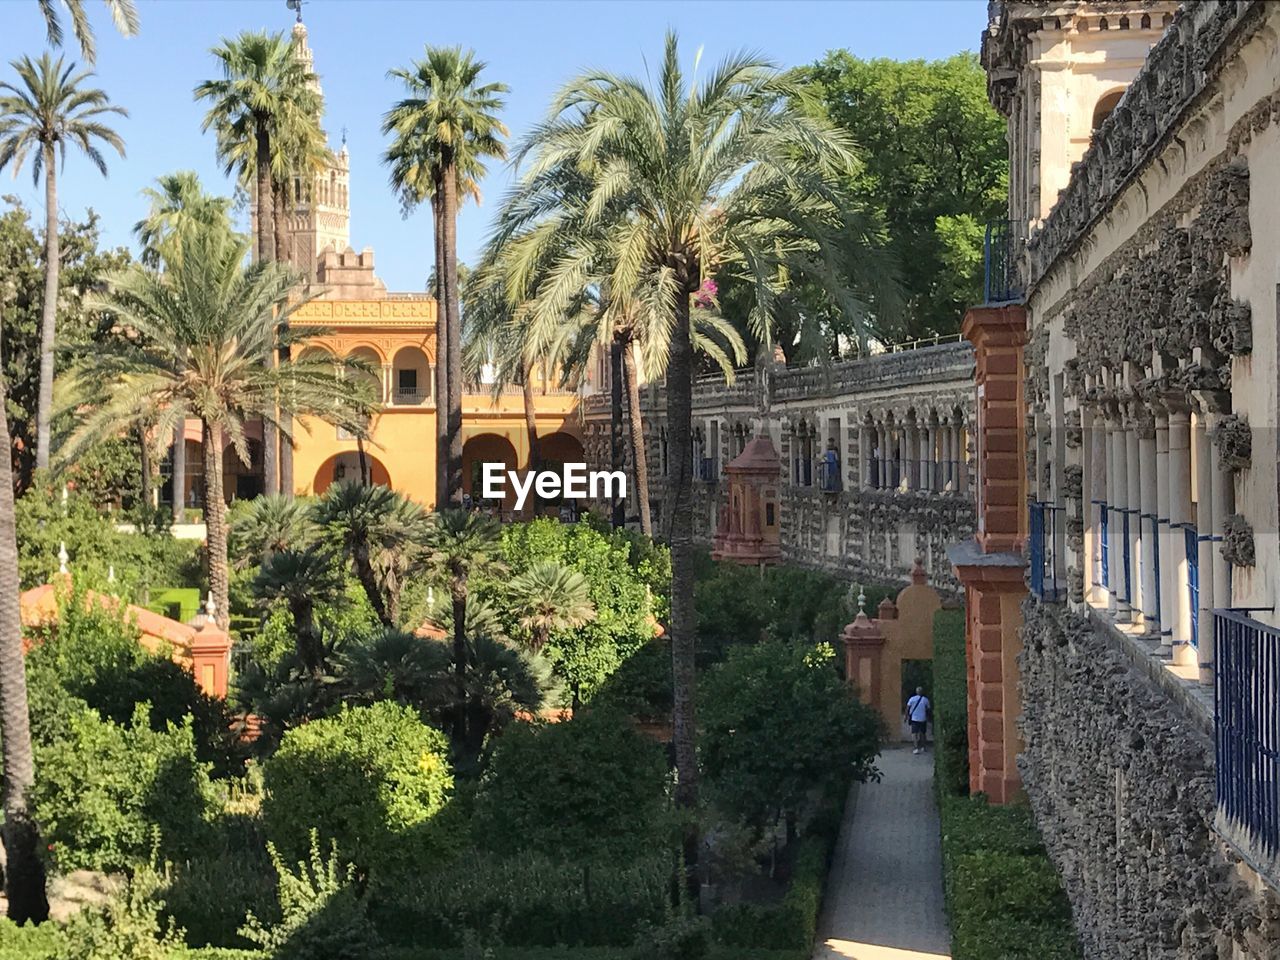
<point x="106" y="792"/>
<point x="814" y="735"/>
<point x="1004" y="897"/>
<point x="683" y="938"/>
<point x="371" y="779"/>
<point x="791" y="923"/>
<point x="93" y="656"/>
<point x="951" y="703"/>
<point x="528" y="900"/>
<point x="641" y="687"/>
<point x="127" y="927"/>
<point x="322" y="914"/>
<point x="591" y="785"/>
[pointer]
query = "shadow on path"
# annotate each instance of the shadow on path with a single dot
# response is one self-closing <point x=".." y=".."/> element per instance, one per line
<point x="884" y="895"/>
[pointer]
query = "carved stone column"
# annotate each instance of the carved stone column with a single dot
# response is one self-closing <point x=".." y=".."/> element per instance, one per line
<point x="1164" y="535"/>
<point x="1148" y="516"/>
<point x="1133" y="514"/>
<point x="1179" y="516"/>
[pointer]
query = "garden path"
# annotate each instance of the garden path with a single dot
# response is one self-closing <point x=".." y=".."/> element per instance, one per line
<point x="884" y="894"/>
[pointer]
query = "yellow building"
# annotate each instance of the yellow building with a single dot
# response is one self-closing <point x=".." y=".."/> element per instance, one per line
<point x="394" y="334"/>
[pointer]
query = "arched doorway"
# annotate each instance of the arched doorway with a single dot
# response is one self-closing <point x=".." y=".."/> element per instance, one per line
<point x="410" y="377"/>
<point x="240" y="480"/>
<point x="346" y="466"/>
<point x="482" y="449"/>
<point x="558" y="449"/>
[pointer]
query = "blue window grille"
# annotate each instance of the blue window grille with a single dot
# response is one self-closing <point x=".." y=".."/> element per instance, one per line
<point x="707" y="470"/>
<point x="1001" y="248"/>
<point x="1247" y="727"/>
<point x="1042" y="550"/>
<point x="1154" y="553"/>
<point x="1128" y="559"/>
<point x="1104" y="543"/>
<point x="1192" y="541"/>
<point x="829" y="475"/>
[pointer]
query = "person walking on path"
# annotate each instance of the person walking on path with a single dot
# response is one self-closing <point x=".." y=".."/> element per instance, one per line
<point x="917" y="714"/>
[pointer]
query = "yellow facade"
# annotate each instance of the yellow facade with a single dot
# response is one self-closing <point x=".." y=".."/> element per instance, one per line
<point x="395" y="336"/>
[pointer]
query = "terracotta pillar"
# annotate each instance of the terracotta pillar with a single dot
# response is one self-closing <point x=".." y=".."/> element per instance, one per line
<point x="211" y="659"/>
<point x="863" y="644"/>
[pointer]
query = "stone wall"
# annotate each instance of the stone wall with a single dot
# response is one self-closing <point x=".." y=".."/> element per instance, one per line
<point x="864" y="530"/>
<point x="1120" y="775"/>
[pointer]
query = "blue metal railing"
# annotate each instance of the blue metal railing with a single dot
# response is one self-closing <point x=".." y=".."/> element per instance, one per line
<point x="1192" y="542"/>
<point x="829" y="475"/>
<point x="804" y="472"/>
<point x="1247" y="726"/>
<point x="1154" y="553"/>
<point x="1042" y="550"/>
<point x="1104" y="546"/>
<point x="1001" y="249"/>
<point x="1128" y="559"/>
<point x="707" y="470"/>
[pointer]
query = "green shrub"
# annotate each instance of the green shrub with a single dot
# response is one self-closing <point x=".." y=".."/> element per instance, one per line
<point x="528" y="900"/>
<point x="210" y="895"/>
<point x="683" y="938"/>
<point x="107" y="792"/>
<point x="371" y="779"/>
<point x="789" y="924"/>
<point x="592" y="785"/>
<point x="1004" y="897"/>
<point x="950" y="704"/>
<point x="813" y="737"/>
<point x="28" y="942"/>
<point x="127" y="927"/>
<point x="323" y="915"/>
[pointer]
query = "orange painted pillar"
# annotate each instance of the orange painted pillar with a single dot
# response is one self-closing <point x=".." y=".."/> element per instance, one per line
<point x="211" y="660"/>
<point x="992" y="566"/>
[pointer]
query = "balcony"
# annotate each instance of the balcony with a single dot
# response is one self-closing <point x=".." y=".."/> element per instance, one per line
<point x="829" y="476"/>
<point x="1001" y="262"/>
<point x="407" y="397"/>
<point x="1246" y="733"/>
<point x="707" y="471"/>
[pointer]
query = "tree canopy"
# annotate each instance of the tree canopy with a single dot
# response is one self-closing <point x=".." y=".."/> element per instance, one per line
<point x="934" y="167"/>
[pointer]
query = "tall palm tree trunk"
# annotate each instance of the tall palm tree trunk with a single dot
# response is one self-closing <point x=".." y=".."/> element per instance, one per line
<point x="442" y="361"/>
<point x="266" y="251"/>
<point x="24" y="877"/>
<point x="531" y="426"/>
<point x="618" y="512"/>
<point x="680" y="491"/>
<point x="179" y="472"/>
<point x="453" y="330"/>
<point x="215" y="519"/>
<point x="145" y="513"/>
<point x="49" y="314"/>
<point x="282" y="210"/>
<point x="639" y="455"/>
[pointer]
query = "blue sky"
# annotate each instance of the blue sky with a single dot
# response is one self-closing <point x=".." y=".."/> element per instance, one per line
<point x="532" y="46"/>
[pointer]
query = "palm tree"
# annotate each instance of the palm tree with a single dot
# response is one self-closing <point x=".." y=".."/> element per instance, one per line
<point x="24" y="879"/>
<point x="40" y="115"/>
<point x="178" y="209"/>
<point x="124" y="14"/>
<point x="204" y="329"/>
<point x="266" y="92"/>
<point x="549" y="597"/>
<point x="378" y="530"/>
<point x="461" y="544"/>
<point x="663" y="186"/>
<point x="301" y="579"/>
<point x="443" y="132"/>
<point x="270" y="524"/>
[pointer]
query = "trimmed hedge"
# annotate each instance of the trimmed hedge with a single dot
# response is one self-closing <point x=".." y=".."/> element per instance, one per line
<point x="790" y="924"/>
<point x="1004" y="897"/>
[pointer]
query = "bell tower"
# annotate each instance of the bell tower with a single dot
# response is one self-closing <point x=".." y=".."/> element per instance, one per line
<point x="1056" y="69"/>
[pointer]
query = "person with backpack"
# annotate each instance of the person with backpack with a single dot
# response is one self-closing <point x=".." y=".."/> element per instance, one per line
<point x="917" y="714"/>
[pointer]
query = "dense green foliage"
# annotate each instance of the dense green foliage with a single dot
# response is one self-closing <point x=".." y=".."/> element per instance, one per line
<point x="815" y="734"/>
<point x="1004" y="897"/>
<point x="95" y="548"/>
<point x="369" y="778"/>
<point x="934" y="168"/>
<point x="107" y="792"/>
<point x="593" y="786"/>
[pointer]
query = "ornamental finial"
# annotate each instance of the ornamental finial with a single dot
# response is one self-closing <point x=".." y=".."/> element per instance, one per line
<point x="63" y="556"/>
<point x="296" y="7"/>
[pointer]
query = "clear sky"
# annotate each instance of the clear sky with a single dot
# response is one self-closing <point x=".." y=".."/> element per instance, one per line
<point x="532" y="46"/>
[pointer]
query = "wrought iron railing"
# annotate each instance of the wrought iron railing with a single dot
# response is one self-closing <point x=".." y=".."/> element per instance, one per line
<point x="829" y="475"/>
<point x="1192" y="542"/>
<point x="1046" y="580"/>
<point x="406" y="397"/>
<point x="707" y="470"/>
<point x="804" y="472"/>
<point x="1247" y="727"/>
<point x="1104" y="545"/>
<point x="1001" y="253"/>
<point x="1126" y="544"/>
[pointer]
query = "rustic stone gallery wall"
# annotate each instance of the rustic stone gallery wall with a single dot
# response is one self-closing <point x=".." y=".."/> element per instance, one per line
<point x="1120" y="774"/>
<point x="918" y="402"/>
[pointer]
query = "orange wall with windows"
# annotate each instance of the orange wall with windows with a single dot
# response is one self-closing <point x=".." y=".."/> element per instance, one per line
<point x="396" y="338"/>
